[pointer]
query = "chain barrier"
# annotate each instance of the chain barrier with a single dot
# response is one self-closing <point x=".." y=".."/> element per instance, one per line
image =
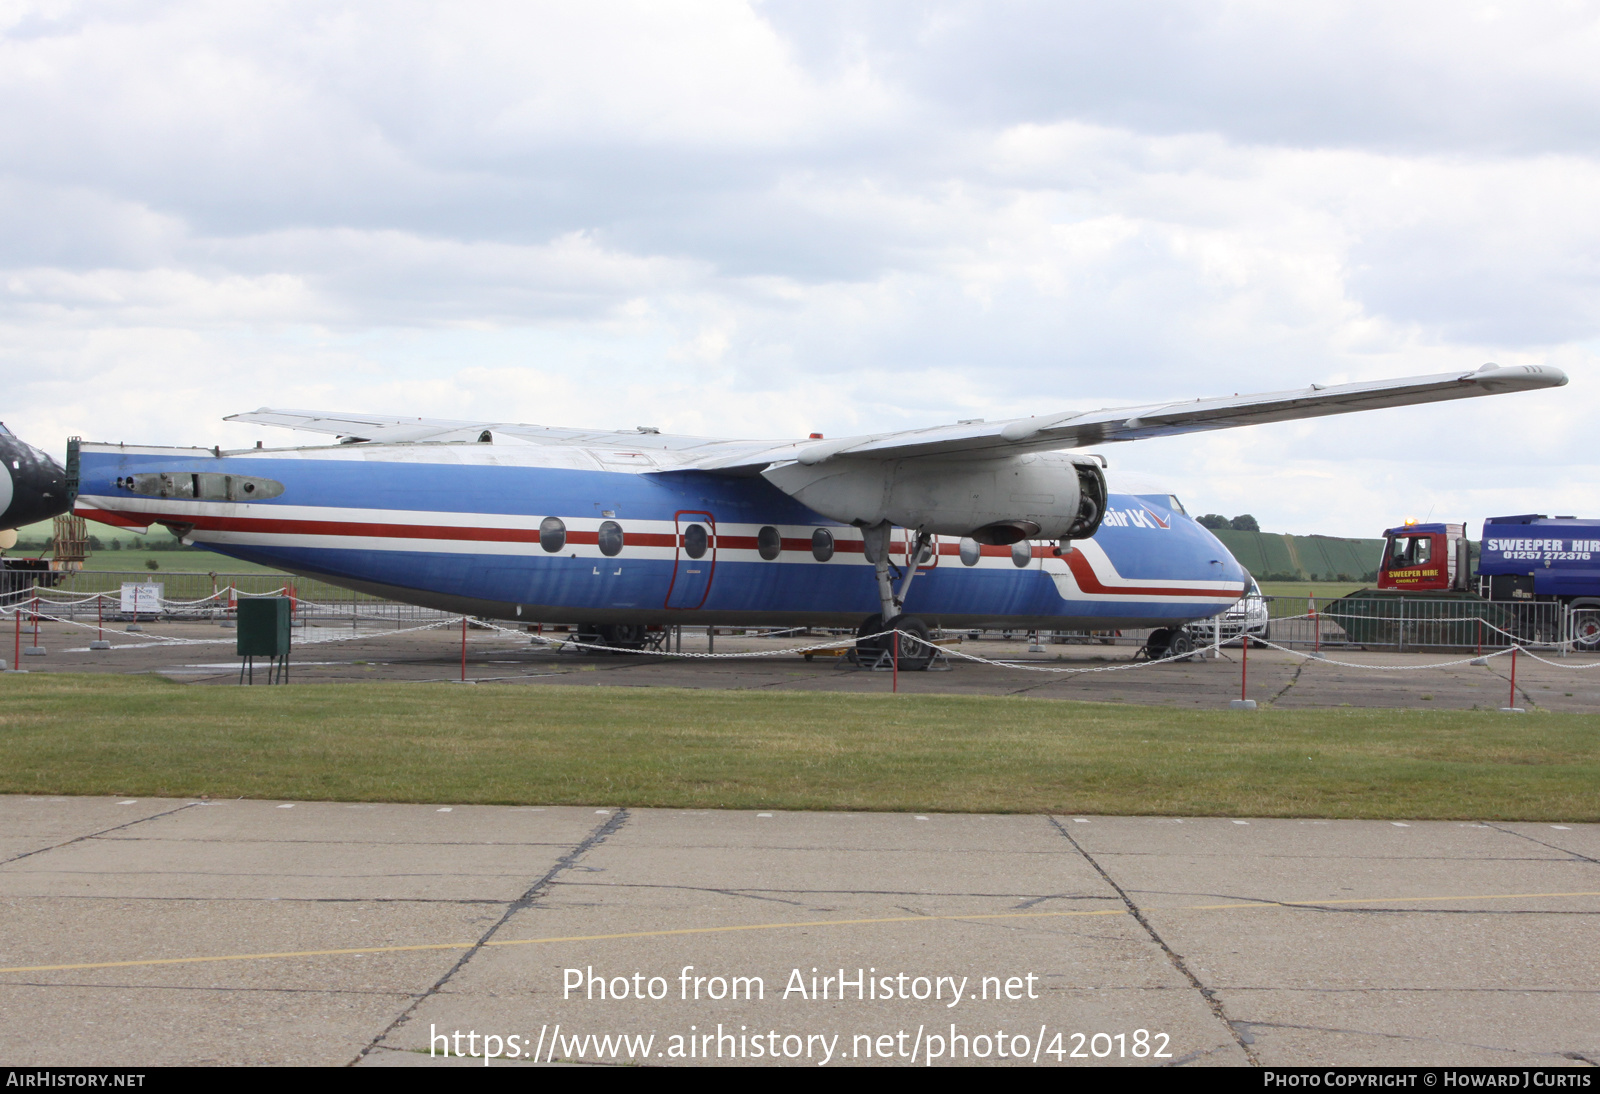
<point x="167" y="640"/>
<point x="32" y="608"/>
<point x="566" y="643"/>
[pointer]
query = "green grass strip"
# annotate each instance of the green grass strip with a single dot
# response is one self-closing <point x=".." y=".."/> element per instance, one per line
<point x="549" y="745"/>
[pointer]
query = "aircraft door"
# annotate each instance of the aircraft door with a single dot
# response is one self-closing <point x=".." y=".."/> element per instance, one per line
<point x="694" y="561"/>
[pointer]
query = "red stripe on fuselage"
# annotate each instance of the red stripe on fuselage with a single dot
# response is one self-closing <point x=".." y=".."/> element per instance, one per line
<point x="1081" y="570"/>
<point x="1087" y="580"/>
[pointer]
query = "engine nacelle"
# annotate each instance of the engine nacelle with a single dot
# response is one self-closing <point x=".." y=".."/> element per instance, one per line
<point x="1048" y="495"/>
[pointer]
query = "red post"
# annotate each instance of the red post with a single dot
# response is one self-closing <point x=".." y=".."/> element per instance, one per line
<point x="463" y="649"/>
<point x="1244" y="665"/>
<point x="896" y="661"/>
<point x="1513" y="701"/>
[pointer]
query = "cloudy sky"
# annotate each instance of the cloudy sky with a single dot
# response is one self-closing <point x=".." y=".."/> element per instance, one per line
<point x="768" y="219"/>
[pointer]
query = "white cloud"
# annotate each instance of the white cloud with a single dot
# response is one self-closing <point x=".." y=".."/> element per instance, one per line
<point x="774" y="219"/>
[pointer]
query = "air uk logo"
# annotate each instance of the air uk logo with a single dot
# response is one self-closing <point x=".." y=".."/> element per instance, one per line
<point x="1142" y="517"/>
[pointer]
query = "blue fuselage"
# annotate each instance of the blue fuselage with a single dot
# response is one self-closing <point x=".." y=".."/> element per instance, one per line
<point x="469" y="528"/>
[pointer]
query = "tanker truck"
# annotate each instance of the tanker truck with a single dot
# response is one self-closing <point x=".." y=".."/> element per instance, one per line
<point x="1532" y="568"/>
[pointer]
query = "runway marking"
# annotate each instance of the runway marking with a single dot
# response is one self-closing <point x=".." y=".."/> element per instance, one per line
<point x="775" y="927"/>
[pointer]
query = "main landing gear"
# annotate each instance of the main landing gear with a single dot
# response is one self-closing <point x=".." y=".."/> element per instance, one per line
<point x="917" y="650"/>
<point x="614" y="636"/>
<point x="1169" y="642"/>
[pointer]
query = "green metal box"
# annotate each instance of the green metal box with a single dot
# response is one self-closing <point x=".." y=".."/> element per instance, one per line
<point x="264" y="627"/>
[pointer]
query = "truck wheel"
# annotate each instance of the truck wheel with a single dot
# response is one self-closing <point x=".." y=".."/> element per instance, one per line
<point x="1586" y="630"/>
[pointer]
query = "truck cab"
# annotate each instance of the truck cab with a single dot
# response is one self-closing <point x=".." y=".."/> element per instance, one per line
<point x="1425" y="557"/>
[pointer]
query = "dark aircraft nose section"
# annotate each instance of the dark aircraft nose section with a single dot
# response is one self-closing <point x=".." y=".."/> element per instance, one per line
<point x="33" y="487"/>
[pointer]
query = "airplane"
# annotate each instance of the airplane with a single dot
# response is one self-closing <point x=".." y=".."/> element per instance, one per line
<point x="971" y="525"/>
<point x="33" y="487"/>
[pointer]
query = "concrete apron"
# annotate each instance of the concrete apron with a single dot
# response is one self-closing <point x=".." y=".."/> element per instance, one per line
<point x="372" y="933"/>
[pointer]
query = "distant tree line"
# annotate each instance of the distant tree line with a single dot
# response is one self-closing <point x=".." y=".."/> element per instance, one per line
<point x="148" y="543"/>
<point x="1244" y="522"/>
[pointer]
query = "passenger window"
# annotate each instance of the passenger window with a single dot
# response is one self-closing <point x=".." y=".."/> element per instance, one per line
<point x="769" y="543"/>
<point x="1021" y="553"/>
<point x="695" y="541"/>
<point x="552" y="534"/>
<point x="822" y="545"/>
<point x="970" y="552"/>
<point x="610" y="538"/>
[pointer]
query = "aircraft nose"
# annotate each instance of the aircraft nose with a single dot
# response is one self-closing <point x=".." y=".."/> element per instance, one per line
<point x="1227" y="568"/>
<point x="33" y="487"/>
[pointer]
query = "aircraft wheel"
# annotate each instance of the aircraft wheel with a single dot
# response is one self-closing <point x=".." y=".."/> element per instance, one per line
<point x="1180" y="644"/>
<point x="622" y="636"/>
<point x="1155" y="647"/>
<point x="870" y="647"/>
<point x="916" y="653"/>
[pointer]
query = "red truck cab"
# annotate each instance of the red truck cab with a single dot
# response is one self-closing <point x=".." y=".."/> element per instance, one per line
<point x="1424" y="557"/>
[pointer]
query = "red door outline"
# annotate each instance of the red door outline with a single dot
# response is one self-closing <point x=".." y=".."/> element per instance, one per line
<point x="678" y="558"/>
<point x="909" y="540"/>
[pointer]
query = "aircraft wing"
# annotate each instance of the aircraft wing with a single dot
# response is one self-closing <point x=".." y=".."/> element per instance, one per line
<point x="1046" y="432"/>
<point x="1078" y="429"/>
<point x="386" y="429"/>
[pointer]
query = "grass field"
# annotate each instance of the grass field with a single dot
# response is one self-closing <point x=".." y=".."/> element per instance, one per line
<point x="1322" y="590"/>
<point x="181" y="561"/>
<point x="143" y="736"/>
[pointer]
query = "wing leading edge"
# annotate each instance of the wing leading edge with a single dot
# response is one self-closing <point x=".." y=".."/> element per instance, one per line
<point x="1048" y="432"/>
